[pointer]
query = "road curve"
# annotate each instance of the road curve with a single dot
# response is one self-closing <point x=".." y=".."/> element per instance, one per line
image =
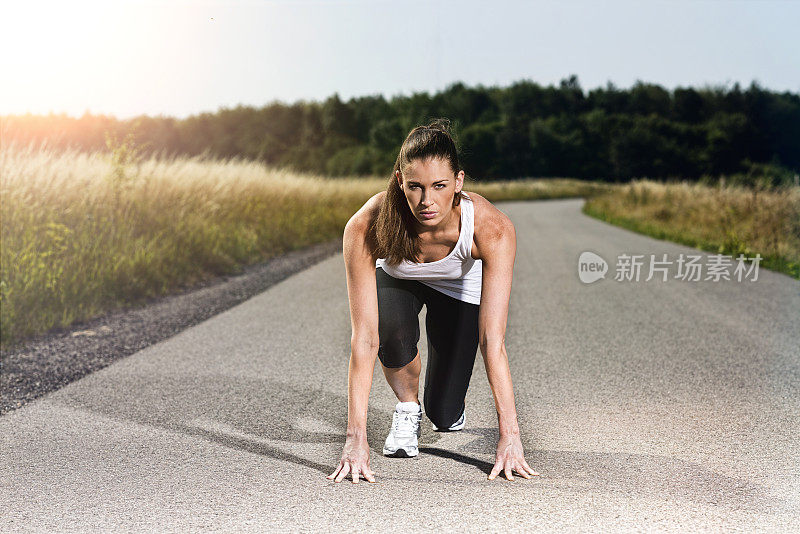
<point x="647" y="405"/>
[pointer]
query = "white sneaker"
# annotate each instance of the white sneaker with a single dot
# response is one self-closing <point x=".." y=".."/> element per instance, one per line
<point x="403" y="438"/>
<point x="458" y="425"/>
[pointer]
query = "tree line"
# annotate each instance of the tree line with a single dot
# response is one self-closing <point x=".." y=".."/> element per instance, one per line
<point x="522" y="130"/>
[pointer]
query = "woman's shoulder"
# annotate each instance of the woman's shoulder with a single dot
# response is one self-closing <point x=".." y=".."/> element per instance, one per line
<point x="490" y="223"/>
<point x="369" y="210"/>
<point x="486" y="214"/>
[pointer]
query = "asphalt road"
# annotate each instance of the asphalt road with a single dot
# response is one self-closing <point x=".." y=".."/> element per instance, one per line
<point x="645" y="405"/>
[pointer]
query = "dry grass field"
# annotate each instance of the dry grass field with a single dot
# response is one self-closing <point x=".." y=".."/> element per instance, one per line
<point x="723" y="219"/>
<point x="83" y="234"/>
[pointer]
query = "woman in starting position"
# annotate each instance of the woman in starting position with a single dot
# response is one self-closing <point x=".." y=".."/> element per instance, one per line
<point x="424" y="241"/>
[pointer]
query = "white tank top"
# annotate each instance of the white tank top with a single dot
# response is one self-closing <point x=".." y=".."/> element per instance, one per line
<point x="458" y="274"/>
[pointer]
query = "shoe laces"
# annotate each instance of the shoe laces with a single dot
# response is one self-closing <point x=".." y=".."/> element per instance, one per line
<point x="405" y="424"/>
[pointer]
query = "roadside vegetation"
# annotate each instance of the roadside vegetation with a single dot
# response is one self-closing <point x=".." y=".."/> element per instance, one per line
<point x="721" y="218"/>
<point x="86" y="233"/>
<point x="606" y="134"/>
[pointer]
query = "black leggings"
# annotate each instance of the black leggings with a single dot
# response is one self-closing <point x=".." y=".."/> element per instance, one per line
<point x="452" y="328"/>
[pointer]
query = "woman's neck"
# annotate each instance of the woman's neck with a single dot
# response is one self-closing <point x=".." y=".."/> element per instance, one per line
<point x="431" y="233"/>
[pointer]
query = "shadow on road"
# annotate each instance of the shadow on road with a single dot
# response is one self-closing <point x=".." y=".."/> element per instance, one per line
<point x="267" y="417"/>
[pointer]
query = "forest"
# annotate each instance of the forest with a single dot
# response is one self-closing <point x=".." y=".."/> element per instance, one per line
<point x="519" y="131"/>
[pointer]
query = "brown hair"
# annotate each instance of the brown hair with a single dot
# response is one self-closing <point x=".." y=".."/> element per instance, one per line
<point x="393" y="228"/>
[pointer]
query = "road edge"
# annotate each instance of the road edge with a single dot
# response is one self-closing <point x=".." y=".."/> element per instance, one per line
<point x="61" y="356"/>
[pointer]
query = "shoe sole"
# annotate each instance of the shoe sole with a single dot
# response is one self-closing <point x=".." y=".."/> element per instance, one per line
<point x="451" y="429"/>
<point x="456" y="429"/>
<point x="400" y="453"/>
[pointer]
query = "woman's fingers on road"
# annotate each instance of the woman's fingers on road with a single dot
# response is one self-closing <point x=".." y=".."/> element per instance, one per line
<point x="364" y="472"/>
<point x="507" y="467"/>
<point x="338" y="467"/>
<point x="353" y="469"/>
<point x="507" y="470"/>
<point x="342" y="472"/>
<point x="495" y="470"/>
<point x="369" y="475"/>
<point x="521" y="470"/>
<point x="529" y="468"/>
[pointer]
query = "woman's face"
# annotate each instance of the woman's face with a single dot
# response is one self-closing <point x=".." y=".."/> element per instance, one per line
<point x="429" y="186"/>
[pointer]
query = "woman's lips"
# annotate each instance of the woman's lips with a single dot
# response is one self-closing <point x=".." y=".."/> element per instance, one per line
<point x="430" y="215"/>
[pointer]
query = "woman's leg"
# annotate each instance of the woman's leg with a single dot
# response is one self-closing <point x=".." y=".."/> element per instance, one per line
<point x="398" y="329"/>
<point x="452" y="327"/>
<point x="404" y="381"/>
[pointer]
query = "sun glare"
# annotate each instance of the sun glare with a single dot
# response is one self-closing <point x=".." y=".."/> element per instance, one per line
<point x="72" y="56"/>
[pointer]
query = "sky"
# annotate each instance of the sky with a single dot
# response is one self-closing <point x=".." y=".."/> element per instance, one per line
<point x="179" y="58"/>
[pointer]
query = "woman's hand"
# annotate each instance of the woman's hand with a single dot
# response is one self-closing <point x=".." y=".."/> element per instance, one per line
<point x="510" y="457"/>
<point x="355" y="460"/>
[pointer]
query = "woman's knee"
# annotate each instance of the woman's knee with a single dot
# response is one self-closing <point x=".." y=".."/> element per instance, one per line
<point x="441" y="413"/>
<point x="396" y="354"/>
<point x="398" y="335"/>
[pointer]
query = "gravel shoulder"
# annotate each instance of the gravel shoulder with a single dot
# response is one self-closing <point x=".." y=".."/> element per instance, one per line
<point x="61" y="356"/>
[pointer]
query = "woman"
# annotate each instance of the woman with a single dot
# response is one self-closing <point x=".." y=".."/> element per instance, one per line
<point x="425" y="241"/>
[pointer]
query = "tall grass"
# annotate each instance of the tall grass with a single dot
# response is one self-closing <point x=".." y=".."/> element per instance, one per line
<point x="724" y="219"/>
<point x="83" y="234"/>
<point x="539" y="189"/>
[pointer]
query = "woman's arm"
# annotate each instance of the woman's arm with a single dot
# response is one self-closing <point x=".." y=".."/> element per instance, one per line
<point x="498" y="250"/>
<point x="362" y="293"/>
<point x="363" y="296"/>
<point x="498" y="245"/>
